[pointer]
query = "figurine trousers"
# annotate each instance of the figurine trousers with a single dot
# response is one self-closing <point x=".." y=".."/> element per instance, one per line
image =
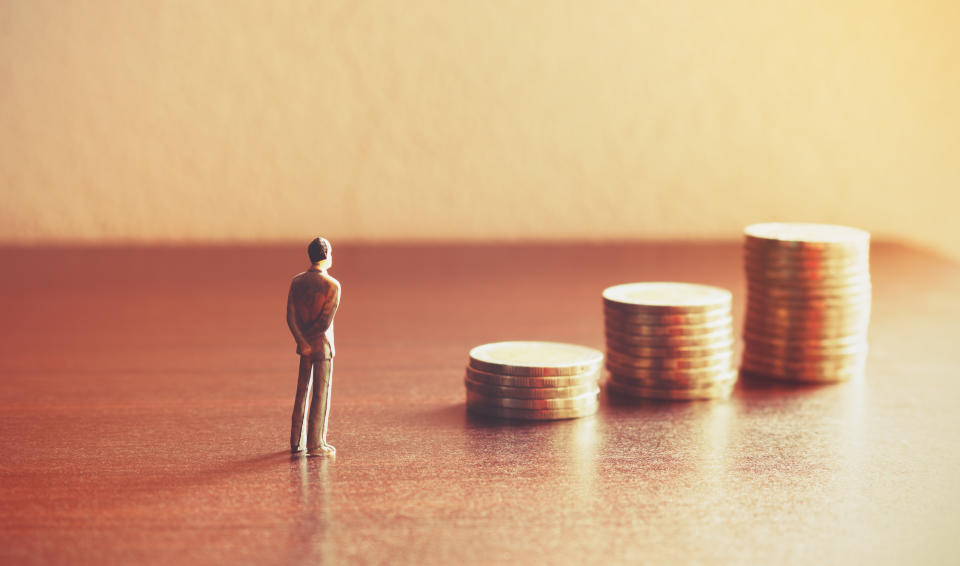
<point x="320" y="373"/>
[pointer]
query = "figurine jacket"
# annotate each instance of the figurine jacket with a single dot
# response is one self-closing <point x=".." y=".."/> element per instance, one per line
<point x="311" y="305"/>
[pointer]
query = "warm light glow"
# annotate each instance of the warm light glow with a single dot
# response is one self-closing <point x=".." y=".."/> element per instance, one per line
<point x="222" y="120"/>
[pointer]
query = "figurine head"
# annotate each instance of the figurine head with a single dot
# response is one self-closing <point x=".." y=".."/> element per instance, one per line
<point x="319" y="252"/>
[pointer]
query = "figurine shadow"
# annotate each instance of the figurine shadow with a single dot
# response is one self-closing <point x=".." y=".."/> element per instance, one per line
<point x="172" y="482"/>
<point x="254" y="464"/>
<point x="270" y="458"/>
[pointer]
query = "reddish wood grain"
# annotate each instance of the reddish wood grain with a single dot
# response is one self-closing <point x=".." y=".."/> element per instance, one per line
<point x="146" y="395"/>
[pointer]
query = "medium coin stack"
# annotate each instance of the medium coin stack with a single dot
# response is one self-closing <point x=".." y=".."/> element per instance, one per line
<point x="669" y="341"/>
<point x="533" y="380"/>
<point x="808" y="301"/>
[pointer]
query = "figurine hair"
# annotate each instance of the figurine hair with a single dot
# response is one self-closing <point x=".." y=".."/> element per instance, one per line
<point x="318" y="250"/>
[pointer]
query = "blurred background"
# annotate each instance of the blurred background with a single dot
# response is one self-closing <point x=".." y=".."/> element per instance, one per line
<point x="227" y="120"/>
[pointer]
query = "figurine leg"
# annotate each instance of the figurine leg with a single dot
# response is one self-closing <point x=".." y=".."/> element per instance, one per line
<point x="300" y="404"/>
<point x="320" y="409"/>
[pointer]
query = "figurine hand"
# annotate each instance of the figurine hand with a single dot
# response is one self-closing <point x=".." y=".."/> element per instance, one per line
<point x="305" y="350"/>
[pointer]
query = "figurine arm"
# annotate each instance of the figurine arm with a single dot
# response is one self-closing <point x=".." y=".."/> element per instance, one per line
<point x="294" y="327"/>
<point x="330" y="308"/>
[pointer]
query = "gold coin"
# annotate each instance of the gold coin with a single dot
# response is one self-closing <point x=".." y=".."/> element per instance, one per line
<point x="665" y="341"/>
<point x="764" y="356"/>
<point x="772" y="254"/>
<point x="810" y="333"/>
<point x="812" y="317"/>
<point x="653" y="330"/>
<point x="771" y="293"/>
<point x="841" y="360"/>
<point x="552" y="381"/>
<point x="535" y="359"/>
<point x="721" y="391"/>
<point x="806" y="354"/>
<point x="625" y="318"/>
<point x="692" y="375"/>
<point x="719" y="378"/>
<point x="791" y="293"/>
<point x="779" y="342"/>
<point x="810" y="306"/>
<point x="782" y="272"/>
<point x="773" y="258"/>
<point x="534" y="415"/>
<point x="813" y="310"/>
<point x="804" y="283"/>
<point x="529" y="392"/>
<point x="809" y="377"/>
<point x="666" y="297"/>
<point x="773" y="323"/>
<point x="809" y="309"/>
<point x="802" y="367"/>
<point x="761" y="325"/>
<point x="806" y="321"/>
<point x="806" y="236"/>
<point x="779" y="271"/>
<point x="617" y="360"/>
<point x="634" y="350"/>
<point x="789" y="298"/>
<point x="539" y="404"/>
<point x="705" y="380"/>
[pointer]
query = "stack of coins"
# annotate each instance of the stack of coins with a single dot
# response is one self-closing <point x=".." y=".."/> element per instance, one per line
<point x="669" y="341"/>
<point x="533" y="380"/>
<point x="808" y="301"/>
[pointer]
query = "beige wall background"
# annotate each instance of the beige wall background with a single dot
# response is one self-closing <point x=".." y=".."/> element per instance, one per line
<point x="418" y="120"/>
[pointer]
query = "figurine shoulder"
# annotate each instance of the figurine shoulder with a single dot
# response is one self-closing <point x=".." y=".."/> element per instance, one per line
<point x="316" y="281"/>
<point x="299" y="279"/>
<point x="333" y="287"/>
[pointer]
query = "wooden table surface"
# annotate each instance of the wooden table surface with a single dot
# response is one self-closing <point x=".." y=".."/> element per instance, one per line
<point x="146" y="397"/>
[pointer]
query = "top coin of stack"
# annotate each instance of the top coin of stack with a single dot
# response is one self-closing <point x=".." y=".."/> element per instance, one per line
<point x="533" y="380"/>
<point x="808" y="301"/>
<point x="669" y="340"/>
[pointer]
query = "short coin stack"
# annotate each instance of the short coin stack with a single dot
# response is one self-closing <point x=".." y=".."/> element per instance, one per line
<point x="533" y="380"/>
<point x="669" y="341"/>
<point x="808" y="301"/>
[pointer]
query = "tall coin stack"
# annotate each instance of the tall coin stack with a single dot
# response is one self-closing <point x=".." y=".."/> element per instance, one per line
<point x="808" y="301"/>
<point x="533" y="380"/>
<point x="669" y="341"/>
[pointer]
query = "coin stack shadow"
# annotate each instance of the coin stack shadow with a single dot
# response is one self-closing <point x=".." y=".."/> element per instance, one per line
<point x="669" y="341"/>
<point x="808" y="302"/>
<point x="533" y="380"/>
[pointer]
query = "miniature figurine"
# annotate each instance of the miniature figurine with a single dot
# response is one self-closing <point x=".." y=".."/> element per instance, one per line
<point x="311" y="306"/>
